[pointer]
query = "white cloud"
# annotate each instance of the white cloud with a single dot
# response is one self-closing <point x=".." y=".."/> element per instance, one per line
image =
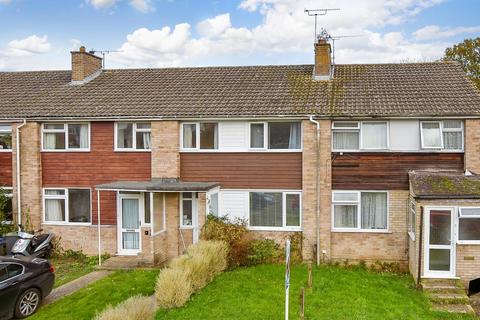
<point x="102" y="4"/>
<point x="214" y="26"/>
<point x="142" y="5"/>
<point x="28" y="46"/>
<point x="435" y="32"/>
<point x="139" y="5"/>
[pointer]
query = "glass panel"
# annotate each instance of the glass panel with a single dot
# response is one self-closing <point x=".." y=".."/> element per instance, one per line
<point x="469" y="229"/>
<point x="187" y="195"/>
<point x="257" y="135"/>
<point x="78" y="136"/>
<point x="266" y="209"/>
<point x="79" y="205"/>
<point x="214" y="204"/>
<point x="374" y="210"/>
<point x="452" y="140"/>
<point x="5" y="127"/>
<point x="345" y="197"/>
<point x="130" y="214"/>
<point x="14" y="270"/>
<point x="346" y="140"/>
<point x="374" y="135"/>
<point x="190" y="135"/>
<point x="54" y="210"/>
<point x="143" y="140"/>
<point x="208" y="136"/>
<point x="144" y="126"/>
<point x="54" y="126"/>
<point x="345" y="125"/>
<point x="465" y="212"/>
<point x="284" y="135"/>
<point x="439" y="260"/>
<point x="431" y="135"/>
<point x="124" y="135"/>
<point x="452" y="124"/>
<point x="187" y="212"/>
<point x="440" y="227"/>
<point x="54" y="141"/>
<point x="6" y="141"/>
<point x="147" y="207"/>
<point x="292" y="209"/>
<point x="345" y="216"/>
<point x="54" y="192"/>
<point x="130" y="240"/>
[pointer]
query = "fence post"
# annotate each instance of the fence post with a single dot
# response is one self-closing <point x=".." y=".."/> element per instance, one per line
<point x="310" y="276"/>
<point x="302" y="303"/>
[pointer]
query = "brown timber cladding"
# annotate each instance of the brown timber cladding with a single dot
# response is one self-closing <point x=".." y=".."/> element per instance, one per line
<point x="386" y="170"/>
<point x="247" y="170"/>
<point x="6" y="169"/>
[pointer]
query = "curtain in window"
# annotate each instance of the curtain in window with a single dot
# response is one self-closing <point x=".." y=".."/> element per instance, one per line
<point x="130" y="220"/>
<point x="147" y="139"/>
<point x="294" y="140"/>
<point x="431" y="135"/>
<point x="345" y="140"/>
<point x="265" y="209"/>
<point x="452" y="140"/>
<point x="374" y="135"/>
<point x="345" y="216"/>
<point x="257" y="135"/>
<point x="374" y="210"/>
<point x="84" y="136"/>
<point x="189" y="136"/>
<point x="125" y="135"/>
<point x="49" y="141"/>
<point x="130" y="240"/>
<point x="54" y="210"/>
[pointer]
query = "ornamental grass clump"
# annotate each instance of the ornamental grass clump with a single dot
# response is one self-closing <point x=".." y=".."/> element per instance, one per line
<point x="173" y="288"/>
<point x="134" y="308"/>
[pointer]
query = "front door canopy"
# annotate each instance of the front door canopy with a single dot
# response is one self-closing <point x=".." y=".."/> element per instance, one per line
<point x="158" y="185"/>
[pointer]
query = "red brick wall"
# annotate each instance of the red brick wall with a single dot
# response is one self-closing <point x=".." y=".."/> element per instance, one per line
<point x="102" y="164"/>
<point x="6" y="169"/>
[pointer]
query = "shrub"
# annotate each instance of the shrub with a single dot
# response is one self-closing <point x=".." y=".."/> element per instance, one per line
<point x="264" y="251"/>
<point x="134" y="308"/>
<point x="173" y="288"/>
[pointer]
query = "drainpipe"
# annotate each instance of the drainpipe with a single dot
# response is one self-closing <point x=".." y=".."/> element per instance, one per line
<point x="17" y="155"/>
<point x="317" y="188"/>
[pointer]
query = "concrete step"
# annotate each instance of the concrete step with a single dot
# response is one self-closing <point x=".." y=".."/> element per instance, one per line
<point x="441" y="288"/>
<point x="448" y="298"/>
<point x="453" y="308"/>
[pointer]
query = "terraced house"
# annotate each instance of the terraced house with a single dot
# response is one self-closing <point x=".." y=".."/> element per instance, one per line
<point x="370" y="162"/>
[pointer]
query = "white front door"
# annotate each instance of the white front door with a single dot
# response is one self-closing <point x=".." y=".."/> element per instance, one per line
<point x="130" y="210"/>
<point x="439" y="242"/>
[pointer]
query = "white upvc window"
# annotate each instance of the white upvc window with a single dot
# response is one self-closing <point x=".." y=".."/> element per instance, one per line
<point x="5" y="137"/>
<point x="66" y="136"/>
<point x="275" y="210"/>
<point x="469" y="225"/>
<point x="187" y="209"/>
<point x="360" y="135"/>
<point x="363" y="211"/>
<point x="374" y="135"/>
<point x="133" y="136"/>
<point x="345" y="135"/>
<point x="199" y="136"/>
<point x="442" y="135"/>
<point x="258" y="137"/>
<point x="62" y="205"/>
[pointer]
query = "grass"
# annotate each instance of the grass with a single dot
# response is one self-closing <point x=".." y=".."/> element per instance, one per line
<point x="258" y="293"/>
<point x="111" y="290"/>
<point x="70" y="268"/>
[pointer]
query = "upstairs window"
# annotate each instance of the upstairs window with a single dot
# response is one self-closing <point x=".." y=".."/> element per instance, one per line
<point x="133" y="136"/>
<point x="66" y="136"/>
<point x="446" y="135"/>
<point x="67" y="205"/>
<point x="275" y="135"/>
<point x="5" y="137"/>
<point x="345" y="135"/>
<point x="374" y="135"/>
<point x="203" y="135"/>
<point x="354" y="135"/>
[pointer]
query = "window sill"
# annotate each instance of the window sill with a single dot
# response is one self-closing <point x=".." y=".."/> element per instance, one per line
<point x="132" y="150"/>
<point x="6" y="150"/>
<point x="468" y="242"/>
<point x="66" y="150"/>
<point x="411" y="235"/>
<point x="241" y="150"/>
<point x="360" y="231"/>
<point x="397" y="151"/>
<point x="67" y="224"/>
<point x="282" y="229"/>
<point x="186" y="227"/>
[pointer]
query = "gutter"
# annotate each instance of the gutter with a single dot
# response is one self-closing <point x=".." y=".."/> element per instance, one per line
<point x="17" y="155"/>
<point x="317" y="188"/>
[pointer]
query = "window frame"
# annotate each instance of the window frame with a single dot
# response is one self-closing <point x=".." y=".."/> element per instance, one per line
<point x="134" y="136"/>
<point x="194" y="201"/>
<point x="284" y="226"/>
<point x="197" y="138"/>
<point x="65" y="132"/>
<point x="6" y="132"/>
<point x="67" y="210"/>
<point x="459" y="216"/>
<point x="358" y="203"/>
<point x="265" y="136"/>
<point x="442" y="130"/>
<point x="387" y="147"/>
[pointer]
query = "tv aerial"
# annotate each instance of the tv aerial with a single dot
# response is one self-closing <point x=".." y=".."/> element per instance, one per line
<point x="103" y="53"/>
<point x="318" y="12"/>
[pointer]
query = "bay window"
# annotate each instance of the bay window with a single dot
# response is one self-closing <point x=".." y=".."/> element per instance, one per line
<point x="66" y="137"/>
<point x="200" y="135"/>
<point x="469" y="224"/>
<point x="361" y="211"/>
<point x="275" y="210"/>
<point x="5" y="137"/>
<point x="446" y="134"/>
<point x="133" y="136"/>
<point x="67" y="205"/>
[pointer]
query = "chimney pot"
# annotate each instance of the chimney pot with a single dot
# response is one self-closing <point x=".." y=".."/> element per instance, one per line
<point x="82" y="49"/>
<point x="85" y="65"/>
<point x="323" y="60"/>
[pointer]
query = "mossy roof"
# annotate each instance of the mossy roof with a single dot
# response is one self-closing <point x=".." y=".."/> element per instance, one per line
<point x="444" y="185"/>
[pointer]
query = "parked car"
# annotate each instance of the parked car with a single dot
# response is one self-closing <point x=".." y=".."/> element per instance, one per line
<point x="24" y="283"/>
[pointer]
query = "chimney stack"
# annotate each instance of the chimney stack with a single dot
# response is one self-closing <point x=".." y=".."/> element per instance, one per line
<point x="323" y="60"/>
<point x="85" y="66"/>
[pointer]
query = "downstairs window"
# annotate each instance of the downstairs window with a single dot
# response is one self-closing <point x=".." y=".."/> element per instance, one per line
<point x="469" y="224"/>
<point x="67" y="205"/>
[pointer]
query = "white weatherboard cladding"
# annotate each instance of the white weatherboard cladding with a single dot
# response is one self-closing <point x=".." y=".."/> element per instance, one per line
<point x="404" y="135"/>
<point x="234" y="204"/>
<point x="233" y="136"/>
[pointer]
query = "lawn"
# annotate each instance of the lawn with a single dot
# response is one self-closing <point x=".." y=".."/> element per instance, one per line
<point x="258" y="293"/>
<point x="85" y="303"/>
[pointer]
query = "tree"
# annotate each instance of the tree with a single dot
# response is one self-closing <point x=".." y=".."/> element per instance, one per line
<point x="468" y="54"/>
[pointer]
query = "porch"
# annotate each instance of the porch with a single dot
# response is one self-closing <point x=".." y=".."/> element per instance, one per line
<point x="156" y="219"/>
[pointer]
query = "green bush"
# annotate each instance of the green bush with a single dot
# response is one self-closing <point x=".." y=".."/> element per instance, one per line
<point x="134" y="308"/>
<point x="264" y="251"/>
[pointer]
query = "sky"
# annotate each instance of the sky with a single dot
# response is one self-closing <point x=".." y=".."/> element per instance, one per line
<point x="39" y="34"/>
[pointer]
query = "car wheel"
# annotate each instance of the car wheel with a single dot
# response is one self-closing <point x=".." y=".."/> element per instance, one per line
<point x="27" y="303"/>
